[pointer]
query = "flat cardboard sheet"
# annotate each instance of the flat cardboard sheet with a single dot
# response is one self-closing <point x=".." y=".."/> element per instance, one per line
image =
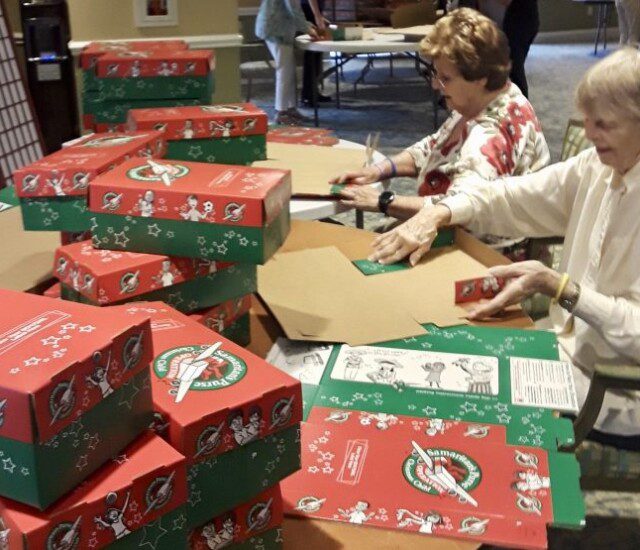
<point x="328" y="298"/>
<point x="312" y="166"/>
<point x="416" y="32"/>
<point x="324" y="299"/>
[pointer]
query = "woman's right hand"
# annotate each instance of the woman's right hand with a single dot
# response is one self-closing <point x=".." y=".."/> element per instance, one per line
<point x="364" y="176"/>
<point x="413" y="238"/>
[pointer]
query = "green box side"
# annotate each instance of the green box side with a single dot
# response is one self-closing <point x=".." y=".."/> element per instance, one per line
<point x="239" y="331"/>
<point x="254" y="245"/>
<point x="168" y="532"/>
<point x="269" y="540"/>
<point x="189" y="296"/>
<point x="234" y="150"/>
<point x="89" y="81"/>
<point x="158" y="87"/>
<point x="55" y="214"/>
<point x="227" y="480"/>
<point x="116" y="111"/>
<point x="531" y="426"/>
<point x="568" y="501"/>
<point x="78" y="450"/>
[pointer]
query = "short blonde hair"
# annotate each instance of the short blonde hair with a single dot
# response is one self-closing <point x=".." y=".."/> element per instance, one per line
<point x="612" y="86"/>
<point x="474" y="43"/>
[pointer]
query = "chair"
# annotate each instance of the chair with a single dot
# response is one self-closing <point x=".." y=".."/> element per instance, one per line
<point x="604" y="467"/>
<point x="253" y="51"/>
<point x="410" y="15"/>
<point x="575" y="141"/>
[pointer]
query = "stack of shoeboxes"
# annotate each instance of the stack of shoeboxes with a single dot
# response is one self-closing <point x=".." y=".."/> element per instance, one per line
<point x="119" y="76"/>
<point x="218" y="292"/>
<point x="233" y="133"/>
<point x="80" y="469"/>
<point x="53" y="190"/>
<point x="236" y="419"/>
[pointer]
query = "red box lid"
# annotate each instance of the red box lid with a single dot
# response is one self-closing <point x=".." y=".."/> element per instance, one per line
<point x="53" y="356"/>
<point x="356" y="465"/>
<point x="69" y="170"/>
<point x="202" y="121"/>
<point x="159" y="62"/>
<point x="248" y="520"/>
<point x="90" y="54"/>
<point x="214" y="395"/>
<point x="107" y="276"/>
<point x="147" y="481"/>
<point x="221" y="316"/>
<point x="192" y="191"/>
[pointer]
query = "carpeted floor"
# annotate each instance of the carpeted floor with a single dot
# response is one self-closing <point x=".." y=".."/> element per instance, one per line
<point x="400" y="107"/>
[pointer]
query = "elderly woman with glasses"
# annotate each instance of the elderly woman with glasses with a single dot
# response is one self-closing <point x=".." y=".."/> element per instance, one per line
<point x="592" y="201"/>
<point x="492" y="130"/>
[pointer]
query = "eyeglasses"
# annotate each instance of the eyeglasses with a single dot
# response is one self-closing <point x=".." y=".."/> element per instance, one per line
<point x="432" y="74"/>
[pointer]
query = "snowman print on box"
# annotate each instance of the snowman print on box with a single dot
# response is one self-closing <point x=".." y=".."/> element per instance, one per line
<point x="402" y="368"/>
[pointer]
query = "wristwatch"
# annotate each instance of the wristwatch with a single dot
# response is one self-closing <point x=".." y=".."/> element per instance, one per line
<point x="384" y="200"/>
<point x="570" y="296"/>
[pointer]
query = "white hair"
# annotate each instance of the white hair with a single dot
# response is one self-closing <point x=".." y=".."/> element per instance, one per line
<point x="612" y="86"/>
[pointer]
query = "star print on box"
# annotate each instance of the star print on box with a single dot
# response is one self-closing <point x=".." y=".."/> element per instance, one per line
<point x="106" y="509"/>
<point x="435" y="480"/>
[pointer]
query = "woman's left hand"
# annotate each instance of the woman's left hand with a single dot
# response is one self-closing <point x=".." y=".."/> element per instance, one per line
<point x="523" y="280"/>
<point x="361" y="197"/>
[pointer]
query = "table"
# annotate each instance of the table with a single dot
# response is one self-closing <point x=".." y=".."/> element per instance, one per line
<point x="602" y="16"/>
<point x="350" y="49"/>
<point x="315" y="534"/>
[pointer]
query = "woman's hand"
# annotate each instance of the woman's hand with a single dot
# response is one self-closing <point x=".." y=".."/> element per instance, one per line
<point x="364" y="176"/>
<point x="523" y="280"/>
<point x="361" y="198"/>
<point x="313" y="33"/>
<point x="413" y="238"/>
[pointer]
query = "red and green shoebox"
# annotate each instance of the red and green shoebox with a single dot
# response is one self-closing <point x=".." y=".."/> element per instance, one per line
<point x="230" y="319"/>
<point x="210" y="211"/>
<point x="53" y="189"/>
<point x="74" y="392"/>
<point x="231" y="133"/>
<point x="90" y="54"/>
<point x="259" y="517"/>
<point x="121" y="504"/>
<point x="443" y="478"/>
<point x="115" y="111"/>
<point x="108" y="277"/>
<point x="53" y="291"/>
<point x="234" y="416"/>
<point x="156" y="74"/>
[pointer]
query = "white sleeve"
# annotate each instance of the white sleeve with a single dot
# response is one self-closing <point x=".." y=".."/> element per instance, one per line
<point x="616" y="319"/>
<point x="535" y="205"/>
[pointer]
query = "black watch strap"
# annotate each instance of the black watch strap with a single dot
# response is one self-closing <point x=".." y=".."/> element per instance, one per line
<point x="384" y="200"/>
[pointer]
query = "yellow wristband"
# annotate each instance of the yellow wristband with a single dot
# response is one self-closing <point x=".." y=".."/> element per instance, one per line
<point x="561" y="286"/>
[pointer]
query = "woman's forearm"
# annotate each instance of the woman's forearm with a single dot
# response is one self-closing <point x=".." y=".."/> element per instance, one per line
<point x="404" y="207"/>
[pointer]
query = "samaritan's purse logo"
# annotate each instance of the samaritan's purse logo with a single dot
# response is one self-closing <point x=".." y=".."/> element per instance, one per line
<point x="190" y="364"/>
<point x="432" y="479"/>
<point x="157" y="171"/>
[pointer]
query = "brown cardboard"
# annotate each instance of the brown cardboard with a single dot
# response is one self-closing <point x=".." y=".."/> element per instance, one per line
<point x="27" y="256"/>
<point x="319" y="301"/>
<point x="327" y="299"/>
<point x="312" y="166"/>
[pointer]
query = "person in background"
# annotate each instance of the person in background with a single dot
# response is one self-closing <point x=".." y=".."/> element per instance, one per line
<point x="592" y="201"/>
<point x="521" y="24"/>
<point x="277" y="23"/>
<point x="313" y="11"/>
<point x="629" y="21"/>
<point x="492" y="130"/>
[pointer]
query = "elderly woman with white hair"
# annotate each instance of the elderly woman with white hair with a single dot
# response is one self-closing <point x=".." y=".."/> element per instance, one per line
<point x="593" y="200"/>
